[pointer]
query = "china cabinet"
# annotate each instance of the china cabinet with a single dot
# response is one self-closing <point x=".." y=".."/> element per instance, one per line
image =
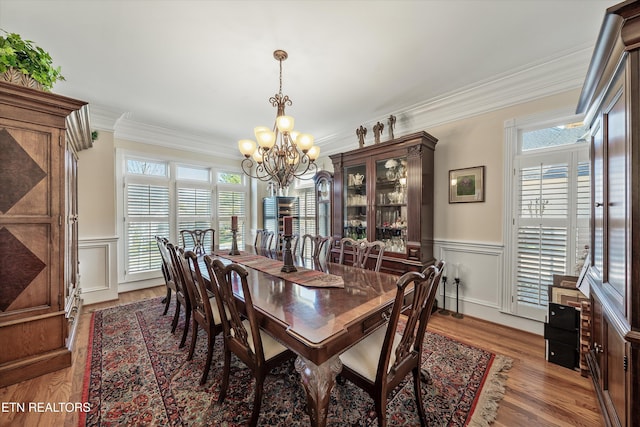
<point x="323" y="182"/>
<point x="385" y="192"/>
<point x="611" y="100"/>
<point x="40" y="135"/>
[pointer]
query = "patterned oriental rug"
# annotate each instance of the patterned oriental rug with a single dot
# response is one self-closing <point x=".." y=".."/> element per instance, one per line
<point x="137" y="375"/>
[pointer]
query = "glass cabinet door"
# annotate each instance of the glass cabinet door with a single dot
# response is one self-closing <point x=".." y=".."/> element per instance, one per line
<point x="391" y="203"/>
<point x="355" y="203"/>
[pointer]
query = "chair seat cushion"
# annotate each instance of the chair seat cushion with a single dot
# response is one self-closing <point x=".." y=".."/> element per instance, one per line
<point x="270" y="346"/>
<point x="364" y="357"/>
<point x="214" y="310"/>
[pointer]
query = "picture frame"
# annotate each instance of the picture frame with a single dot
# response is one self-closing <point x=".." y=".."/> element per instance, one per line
<point x="583" y="283"/>
<point x="466" y="185"/>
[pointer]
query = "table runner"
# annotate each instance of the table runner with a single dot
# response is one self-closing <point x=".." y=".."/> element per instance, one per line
<point x="304" y="276"/>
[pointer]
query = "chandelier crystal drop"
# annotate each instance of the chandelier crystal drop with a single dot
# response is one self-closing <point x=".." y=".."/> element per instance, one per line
<point x="281" y="153"/>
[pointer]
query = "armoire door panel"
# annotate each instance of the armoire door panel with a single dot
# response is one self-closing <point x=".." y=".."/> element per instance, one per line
<point x="29" y="267"/>
<point x="616" y="375"/>
<point x="597" y="237"/>
<point x="617" y="204"/>
<point x="26" y="164"/>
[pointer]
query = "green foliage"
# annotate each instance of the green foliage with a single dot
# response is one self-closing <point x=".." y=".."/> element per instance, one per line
<point x="29" y="59"/>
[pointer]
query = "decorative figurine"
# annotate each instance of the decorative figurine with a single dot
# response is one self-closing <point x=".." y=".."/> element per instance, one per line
<point x="361" y="132"/>
<point x="377" y="131"/>
<point x="392" y="124"/>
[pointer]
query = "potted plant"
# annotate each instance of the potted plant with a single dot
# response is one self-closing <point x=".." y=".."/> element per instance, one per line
<point x="26" y="64"/>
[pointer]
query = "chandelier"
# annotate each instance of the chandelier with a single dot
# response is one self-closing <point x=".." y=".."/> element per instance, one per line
<point x="281" y="153"/>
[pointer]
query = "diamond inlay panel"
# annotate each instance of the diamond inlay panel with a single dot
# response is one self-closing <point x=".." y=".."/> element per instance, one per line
<point x="19" y="172"/>
<point x="19" y="267"/>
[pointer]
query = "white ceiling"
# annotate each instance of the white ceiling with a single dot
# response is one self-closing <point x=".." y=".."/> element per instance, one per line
<point x="206" y="67"/>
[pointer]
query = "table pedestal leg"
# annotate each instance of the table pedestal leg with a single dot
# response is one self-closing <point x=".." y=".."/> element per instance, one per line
<point x="318" y="382"/>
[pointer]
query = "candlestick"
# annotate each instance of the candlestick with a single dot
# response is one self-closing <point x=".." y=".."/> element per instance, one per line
<point x="287" y="266"/>
<point x="234" y="243"/>
<point x="234" y="222"/>
<point x="288" y="225"/>
<point x="443" y="310"/>
<point x="457" y="314"/>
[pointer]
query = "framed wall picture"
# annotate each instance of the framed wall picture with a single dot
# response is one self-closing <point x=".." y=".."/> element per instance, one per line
<point x="466" y="185"/>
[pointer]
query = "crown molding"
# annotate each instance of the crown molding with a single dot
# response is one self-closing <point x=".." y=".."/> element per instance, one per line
<point x="136" y="131"/>
<point x="556" y="75"/>
<point x="104" y="118"/>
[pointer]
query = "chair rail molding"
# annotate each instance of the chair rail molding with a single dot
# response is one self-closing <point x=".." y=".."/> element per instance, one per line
<point x="480" y="267"/>
<point x="98" y="269"/>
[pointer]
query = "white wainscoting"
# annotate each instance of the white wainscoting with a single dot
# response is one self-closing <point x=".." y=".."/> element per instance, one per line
<point x="98" y="269"/>
<point x="479" y="266"/>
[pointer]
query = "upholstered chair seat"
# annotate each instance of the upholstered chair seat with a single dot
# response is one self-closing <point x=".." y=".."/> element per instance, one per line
<point x="364" y="357"/>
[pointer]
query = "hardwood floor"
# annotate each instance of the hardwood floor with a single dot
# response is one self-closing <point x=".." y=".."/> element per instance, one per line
<point x="538" y="393"/>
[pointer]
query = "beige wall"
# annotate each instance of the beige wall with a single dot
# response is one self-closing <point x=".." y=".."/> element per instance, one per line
<point x="96" y="189"/>
<point x="97" y="182"/>
<point x="479" y="141"/>
<point x="476" y="141"/>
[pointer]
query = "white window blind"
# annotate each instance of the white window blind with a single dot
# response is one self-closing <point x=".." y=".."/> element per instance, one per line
<point x="194" y="211"/>
<point x="162" y="197"/>
<point x="307" y="218"/>
<point x="542" y="229"/>
<point x="147" y="216"/>
<point x="231" y="203"/>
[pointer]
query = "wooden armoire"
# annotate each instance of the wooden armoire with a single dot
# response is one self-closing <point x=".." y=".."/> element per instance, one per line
<point x="611" y="100"/>
<point x="40" y="135"/>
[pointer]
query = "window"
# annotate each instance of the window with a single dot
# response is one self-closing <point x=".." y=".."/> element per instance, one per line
<point x="549" y="206"/>
<point x="305" y="189"/>
<point x="307" y="215"/>
<point x="232" y="200"/>
<point x="161" y="197"/>
<point x="148" y="216"/>
<point x="194" y="194"/>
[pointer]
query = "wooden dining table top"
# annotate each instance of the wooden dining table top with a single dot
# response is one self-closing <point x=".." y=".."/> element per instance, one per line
<point x="318" y="323"/>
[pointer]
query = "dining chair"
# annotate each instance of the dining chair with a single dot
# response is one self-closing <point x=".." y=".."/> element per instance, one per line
<point x="381" y="361"/>
<point x="244" y="338"/>
<point x="183" y="298"/>
<point x="266" y="240"/>
<point x="320" y="246"/>
<point x="361" y="251"/>
<point x="205" y="312"/>
<point x="280" y="245"/>
<point x="167" y="271"/>
<point x="196" y="239"/>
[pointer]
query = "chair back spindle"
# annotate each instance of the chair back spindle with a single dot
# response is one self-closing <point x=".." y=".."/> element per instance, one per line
<point x="196" y="239"/>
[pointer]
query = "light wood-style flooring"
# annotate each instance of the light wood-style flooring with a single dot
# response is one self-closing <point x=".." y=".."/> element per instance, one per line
<point x="538" y="393"/>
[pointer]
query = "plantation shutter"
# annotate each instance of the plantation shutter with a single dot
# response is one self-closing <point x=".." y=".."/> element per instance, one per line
<point x="542" y="226"/>
<point x="147" y="216"/>
<point x="583" y="214"/>
<point x="231" y="203"/>
<point x="307" y="215"/>
<point x="194" y="210"/>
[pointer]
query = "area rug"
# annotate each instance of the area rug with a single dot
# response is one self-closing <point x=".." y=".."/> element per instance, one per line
<point x="137" y="375"/>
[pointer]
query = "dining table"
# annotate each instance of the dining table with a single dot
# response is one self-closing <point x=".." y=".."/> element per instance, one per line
<point x="317" y="323"/>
